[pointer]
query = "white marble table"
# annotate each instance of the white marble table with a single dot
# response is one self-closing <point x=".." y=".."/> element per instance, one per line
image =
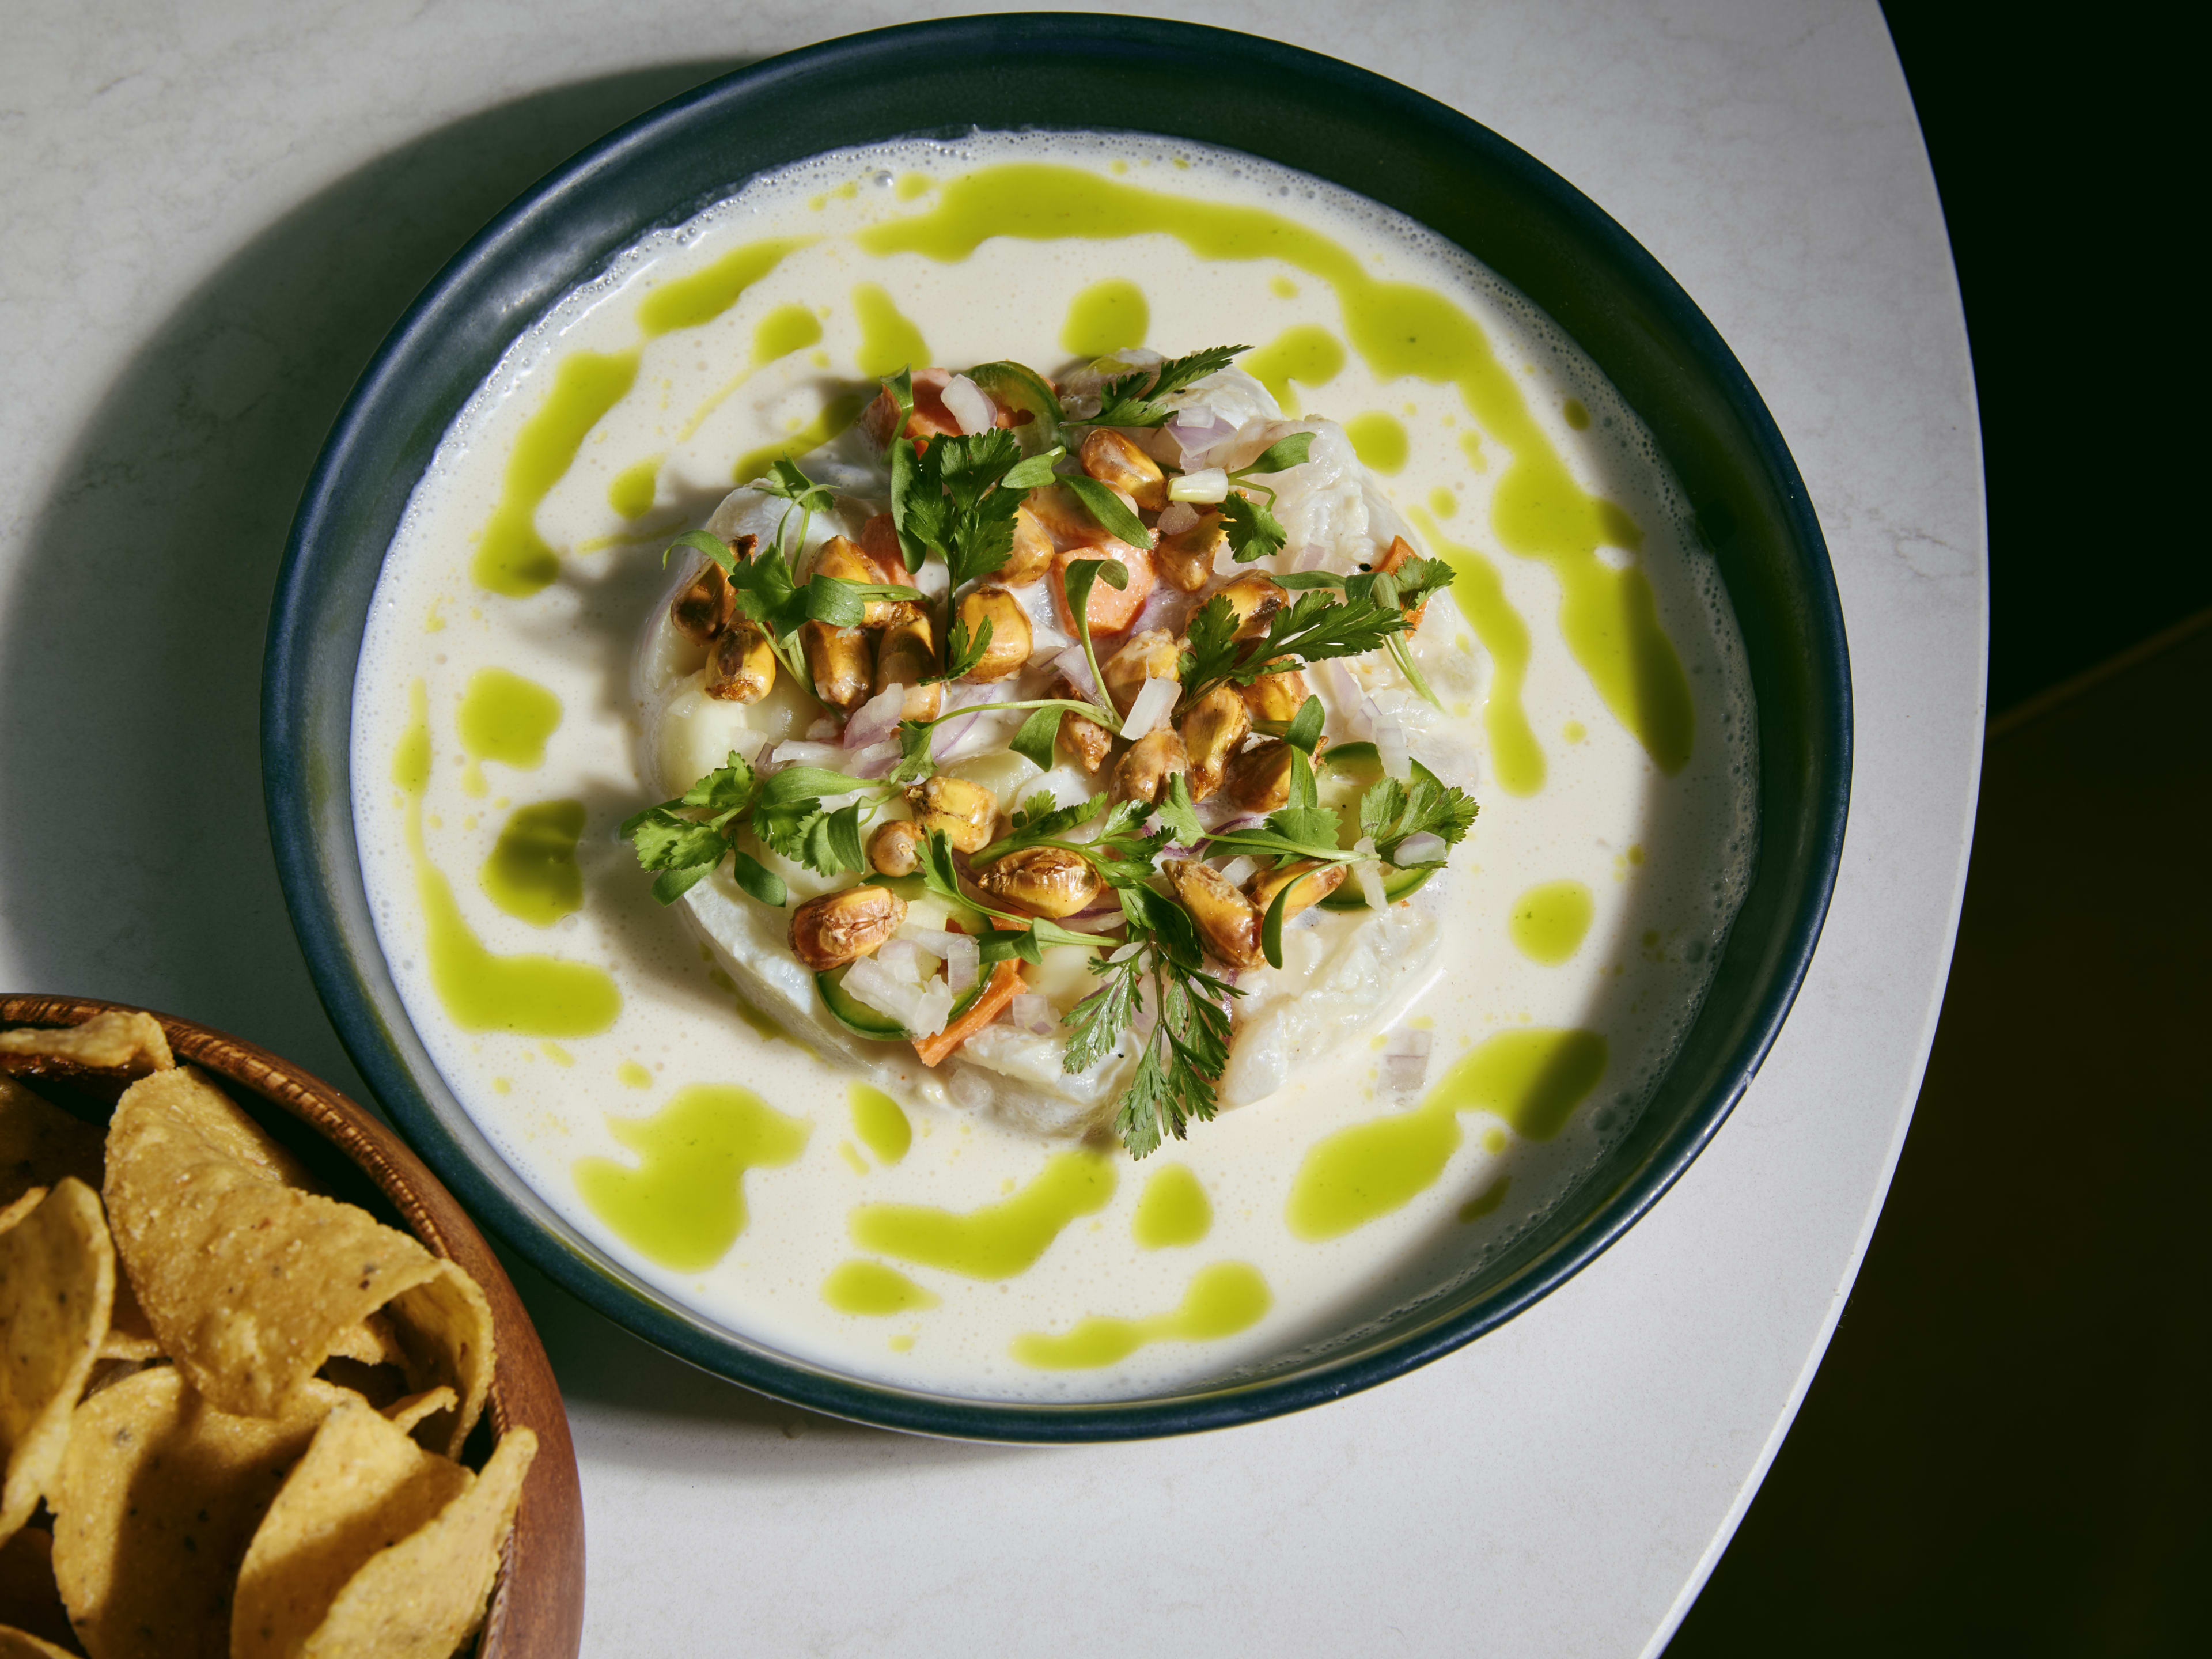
<point x="213" y="212"/>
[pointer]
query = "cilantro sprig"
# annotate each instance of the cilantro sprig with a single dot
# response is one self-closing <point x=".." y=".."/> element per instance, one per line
<point x="1185" y="1053"/>
<point x="1121" y="851"/>
<point x="1136" y="399"/>
<point x="1312" y="628"/>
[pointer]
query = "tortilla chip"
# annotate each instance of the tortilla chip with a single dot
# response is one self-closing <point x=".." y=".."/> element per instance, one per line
<point x="21" y="1644"/>
<point x="29" y="1603"/>
<point x="56" y="1283"/>
<point x="247" y="1281"/>
<point x="130" y="1336"/>
<point x="444" y="1326"/>
<point x="372" y="1342"/>
<point x="406" y="1414"/>
<point x="160" y="1496"/>
<point x="118" y="1043"/>
<point x="420" y="1598"/>
<point x="39" y="1143"/>
<point x="21" y="1207"/>
<point x="363" y="1487"/>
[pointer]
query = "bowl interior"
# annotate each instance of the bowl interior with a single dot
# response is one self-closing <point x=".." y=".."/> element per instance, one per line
<point x="1230" y="91"/>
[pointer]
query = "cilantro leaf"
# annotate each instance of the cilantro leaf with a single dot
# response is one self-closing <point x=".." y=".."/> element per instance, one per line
<point x="1254" y="532"/>
<point x="686" y="849"/>
<point x="1177" y="814"/>
<point x="1135" y="399"/>
<point x="1390" y="811"/>
<point x="1305" y="728"/>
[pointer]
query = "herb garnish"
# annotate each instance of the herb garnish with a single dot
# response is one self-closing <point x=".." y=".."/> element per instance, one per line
<point x="1135" y="399"/>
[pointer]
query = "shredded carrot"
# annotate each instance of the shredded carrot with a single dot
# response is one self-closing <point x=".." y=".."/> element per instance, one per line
<point x="1006" y="985"/>
<point x="1400" y="550"/>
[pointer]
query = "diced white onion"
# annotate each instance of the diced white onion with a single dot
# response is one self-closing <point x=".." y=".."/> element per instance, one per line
<point x="1176" y="517"/>
<point x="969" y="405"/>
<point x="1208" y="485"/>
<point x="1424" y="848"/>
<point x="822" y="731"/>
<point x="1072" y="663"/>
<point x="922" y="1009"/>
<point x="1238" y="870"/>
<point x="876" y="719"/>
<point x="1368" y="873"/>
<point x="875" y="760"/>
<point x="796" y="753"/>
<point x="1390" y="744"/>
<point x="1152" y="706"/>
<point x="969" y="1088"/>
<point x="1404" y="1074"/>
<point x="961" y="955"/>
<point x="1045" y="642"/>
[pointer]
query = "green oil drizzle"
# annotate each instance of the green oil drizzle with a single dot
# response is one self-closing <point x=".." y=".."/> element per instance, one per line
<point x="1577" y="416"/>
<point x="631" y="1075"/>
<point x="512" y="558"/>
<point x="632" y="492"/>
<point x="531" y="995"/>
<point x="999" y="1240"/>
<point x="1379" y="439"/>
<point x="838" y="414"/>
<point x="870" y="1289"/>
<point x="911" y="184"/>
<point x="782" y="332"/>
<point x="1308" y="354"/>
<point x="1282" y="287"/>
<point x="1223" y="1299"/>
<point x="684" y="1204"/>
<point x="889" y="341"/>
<point x="1403" y="330"/>
<point x="881" y="1126"/>
<point x="1549" y="921"/>
<point x="1532" y="1078"/>
<point x="1442" y="502"/>
<point x="1173" y="1210"/>
<point x="531" y="873"/>
<point x="1487" y="1201"/>
<point x="504" y="718"/>
<point x="1480" y="596"/>
<point x="688" y="301"/>
<point x="1104" y="318"/>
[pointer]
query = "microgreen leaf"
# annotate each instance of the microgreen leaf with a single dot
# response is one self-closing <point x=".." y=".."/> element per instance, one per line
<point x="1110" y="509"/>
<point x="1039" y="734"/>
<point x="1305" y="728"/>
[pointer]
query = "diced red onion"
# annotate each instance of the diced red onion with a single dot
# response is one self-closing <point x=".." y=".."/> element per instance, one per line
<point x="1103" y="921"/>
<point x="969" y="405"/>
<point x="1033" y="1014"/>
<point x="1178" y="516"/>
<point x="1072" y="663"/>
<point x="1198" y="431"/>
<point x="1208" y="485"/>
<point x="1151" y="707"/>
<point x="876" y="719"/>
<point x="1160" y="604"/>
<point x="1239" y="870"/>
<point x="822" y="731"/>
<point x="874" y="761"/>
<point x="1424" y="848"/>
<point x="797" y="753"/>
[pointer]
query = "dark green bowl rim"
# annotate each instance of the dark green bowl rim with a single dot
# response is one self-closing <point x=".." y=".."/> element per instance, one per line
<point x="1043" y="71"/>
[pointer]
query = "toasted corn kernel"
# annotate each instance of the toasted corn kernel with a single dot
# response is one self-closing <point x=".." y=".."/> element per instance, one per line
<point x="1144" y="772"/>
<point x="965" y="811"/>
<point x="1225" y="915"/>
<point x="844" y="926"/>
<point x="1112" y="459"/>
<point x="1009" y="650"/>
<point x="1259" y="779"/>
<point x="1032" y="553"/>
<point x="741" y="668"/>
<point x="905" y="655"/>
<point x="704" y="609"/>
<point x="844" y="560"/>
<point x="896" y="847"/>
<point x="1087" y="741"/>
<point x="838" y="661"/>
<point x="1149" y="655"/>
<point x="1186" y="558"/>
<point x="1045" y="881"/>
<point x="1277" y="697"/>
<point x="1255" y="599"/>
<point x="1315" y="882"/>
<point x="1217" y="724"/>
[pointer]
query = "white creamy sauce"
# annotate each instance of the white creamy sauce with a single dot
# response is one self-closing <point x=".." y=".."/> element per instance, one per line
<point x="1664" y="856"/>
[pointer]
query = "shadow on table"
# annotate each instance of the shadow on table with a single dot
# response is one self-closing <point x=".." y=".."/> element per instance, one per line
<point x="134" y="854"/>
<point x="2005" y="1451"/>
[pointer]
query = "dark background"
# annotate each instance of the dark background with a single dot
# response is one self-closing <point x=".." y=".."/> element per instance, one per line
<point x="2005" y="1449"/>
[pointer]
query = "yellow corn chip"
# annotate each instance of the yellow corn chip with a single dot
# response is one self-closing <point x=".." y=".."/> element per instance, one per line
<point x="12" y="1213"/>
<point x="420" y="1598"/>
<point x="57" y="1284"/>
<point x="372" y="1342"/>
<point x="160" y="1495"/>
<point x="22" y="1644"/>
<point x="119" y="1042"/>
<point x="363" y="1487"/>
<point x="444" y="1326"/>
<point x="29" y="1603"/>
<point x="247" y="1281"/>
<point x="407" y="1413"/>
<point x="39" y="1143"/>
<point x="129" y="1334"/>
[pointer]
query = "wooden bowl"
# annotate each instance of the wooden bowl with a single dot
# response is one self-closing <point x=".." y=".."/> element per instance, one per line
<point x="538" y="1606"/>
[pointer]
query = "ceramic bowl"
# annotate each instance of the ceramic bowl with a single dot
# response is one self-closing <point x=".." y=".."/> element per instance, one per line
<point x="1191" y="83"/>
<point x="538" y="1606"/>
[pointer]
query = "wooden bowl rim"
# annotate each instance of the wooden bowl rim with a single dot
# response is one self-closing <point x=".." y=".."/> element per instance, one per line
<point x="537" y="1608"/>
